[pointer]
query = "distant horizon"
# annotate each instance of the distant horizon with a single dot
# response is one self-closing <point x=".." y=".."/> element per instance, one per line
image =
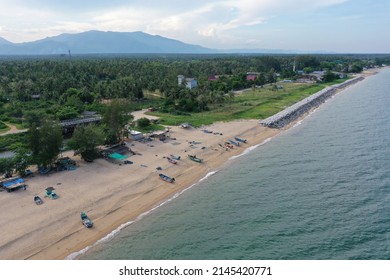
<point x="247" y="51"/>
<point x="339" y="26"/>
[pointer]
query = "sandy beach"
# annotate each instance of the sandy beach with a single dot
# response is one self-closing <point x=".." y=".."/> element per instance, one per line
<point x="113" y="194"/>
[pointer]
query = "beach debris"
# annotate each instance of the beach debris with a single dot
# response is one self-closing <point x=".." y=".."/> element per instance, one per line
<point x="194" y="158"/>
<point x="127" y="162"/>
<point x="38" y="200"/>
<point x="166" y="178"/>
<point x="143" y="165"/>
<point x="158" y="168"/>
<point x="207" y="131"/>
<point x="85" y="220"/>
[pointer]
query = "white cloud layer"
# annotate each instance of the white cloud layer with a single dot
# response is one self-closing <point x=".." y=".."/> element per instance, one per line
<point x="219" y="23"/>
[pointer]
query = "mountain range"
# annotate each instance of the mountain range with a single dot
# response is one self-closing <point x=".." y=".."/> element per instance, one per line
<point x="108" y="42"/>
<point x="99" y="42"/>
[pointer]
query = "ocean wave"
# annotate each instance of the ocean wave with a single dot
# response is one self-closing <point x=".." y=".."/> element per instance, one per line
<point x="298" y="123"/>
<point x="138" y="218"/>
<point x="248" y="150"/>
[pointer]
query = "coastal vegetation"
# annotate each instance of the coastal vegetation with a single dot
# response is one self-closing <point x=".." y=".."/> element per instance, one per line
<point x="39" y="92"/>
<point x="85" y="141"/>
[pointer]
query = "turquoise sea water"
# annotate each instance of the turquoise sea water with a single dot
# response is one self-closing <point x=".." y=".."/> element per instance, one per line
<point x="320" y="190"/>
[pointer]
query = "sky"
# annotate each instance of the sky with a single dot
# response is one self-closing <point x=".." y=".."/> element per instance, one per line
<point x="347" y="26"/>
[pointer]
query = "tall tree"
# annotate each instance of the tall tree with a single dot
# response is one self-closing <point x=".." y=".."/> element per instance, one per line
<point x="22" y="160"/>
<point x="85" y="141"/>
<point x="116" y="116"/>
<point x="6" y="167"/>
<point x="45" y="142"/>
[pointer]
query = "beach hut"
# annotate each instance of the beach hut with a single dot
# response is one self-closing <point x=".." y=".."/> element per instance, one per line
<point x="136" y="135"/>
<point x="13" y="184"/>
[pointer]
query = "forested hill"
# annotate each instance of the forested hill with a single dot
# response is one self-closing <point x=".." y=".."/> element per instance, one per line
<point x="4" y="41"/>
<point x="99" y="42"/>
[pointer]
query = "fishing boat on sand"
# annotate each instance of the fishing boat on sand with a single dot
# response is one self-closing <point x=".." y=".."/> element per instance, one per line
<point x="234" y="143"/>
<point x="51" y="193"/>
<point x="240" y="139"/>
<point x="175" y="157"/>
<point x="87" y="222"/>
<point x="228" y="145"/>
<point x="38" y="200"/>
<point x="171" y="160"/>
<point x="194" y="158"/>
<point x="166" y="178"/>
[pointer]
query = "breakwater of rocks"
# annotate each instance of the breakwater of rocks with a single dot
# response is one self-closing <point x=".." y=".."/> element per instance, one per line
<point x="295" y="111"/>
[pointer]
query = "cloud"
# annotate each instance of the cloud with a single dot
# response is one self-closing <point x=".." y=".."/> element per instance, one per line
<point x="202" y="22"/>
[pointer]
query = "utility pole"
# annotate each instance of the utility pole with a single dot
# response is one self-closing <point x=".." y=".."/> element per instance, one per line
<point x="70" y="60"/>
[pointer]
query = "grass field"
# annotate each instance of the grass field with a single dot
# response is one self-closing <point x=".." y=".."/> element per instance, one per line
<point x="253" y="104"/>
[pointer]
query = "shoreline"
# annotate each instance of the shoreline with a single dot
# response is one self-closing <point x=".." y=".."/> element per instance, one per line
<point x="115" y="196"/>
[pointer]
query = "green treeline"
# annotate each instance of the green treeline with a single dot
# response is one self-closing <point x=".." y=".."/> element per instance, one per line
<point x="64" y="87"/>
<point x="38" y="92"/>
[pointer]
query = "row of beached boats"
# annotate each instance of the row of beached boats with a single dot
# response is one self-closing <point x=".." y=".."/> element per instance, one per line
<point x="231" y="143"/>
<point x="173" y="159"/>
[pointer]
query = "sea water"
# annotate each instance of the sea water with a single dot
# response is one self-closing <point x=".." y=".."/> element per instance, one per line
<point x="320" y="190"/>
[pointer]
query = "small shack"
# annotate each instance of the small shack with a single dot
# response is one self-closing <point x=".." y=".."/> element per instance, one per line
<point x="136" y="135"/>
<point x="116" y="153"/>
<point x="13" y="184"/>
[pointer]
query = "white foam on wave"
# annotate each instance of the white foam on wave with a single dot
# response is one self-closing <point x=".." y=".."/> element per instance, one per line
<point x="122" y="226"/>
<point x="297" y="124"/>
<point x="308" y="115"/>
<point x="208" y="175"/>
<point x="248" y="150"/>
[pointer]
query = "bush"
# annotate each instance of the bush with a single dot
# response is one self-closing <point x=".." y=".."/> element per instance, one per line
<point x="3" y="125"/>
<point x="143" y="122"/>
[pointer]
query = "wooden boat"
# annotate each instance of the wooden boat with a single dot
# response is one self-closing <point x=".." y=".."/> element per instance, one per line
<point x="38" y="200"/>
<point x="166" y="178"/>
<point x="228" y="145"/>
<point x="85" y="220"/>
<point x="51" y="193"/>
<point x="171" y="160"/>
<point x="240" y="139"/>
<point x="234" y="143"/>
<point x="194" y="158"/>
<point x="175" y="157"/>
